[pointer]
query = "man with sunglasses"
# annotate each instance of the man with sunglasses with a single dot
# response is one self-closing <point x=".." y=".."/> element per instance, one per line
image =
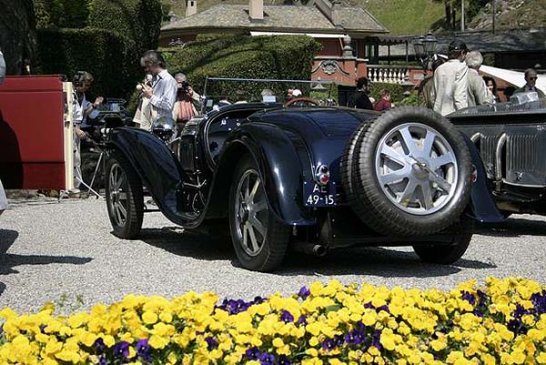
<point x="531" y="80"/>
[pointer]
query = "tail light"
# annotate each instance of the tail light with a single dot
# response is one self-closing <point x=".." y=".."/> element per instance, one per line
<point x="323" y="175"/>
<point x="474" y="175"/>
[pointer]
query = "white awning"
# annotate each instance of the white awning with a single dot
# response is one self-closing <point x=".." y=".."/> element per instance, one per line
<point x="312" y="35"/>
<point x="515" y="78"/>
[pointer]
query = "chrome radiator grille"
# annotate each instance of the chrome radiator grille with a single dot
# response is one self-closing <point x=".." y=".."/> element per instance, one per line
<point x="515" y="154"/>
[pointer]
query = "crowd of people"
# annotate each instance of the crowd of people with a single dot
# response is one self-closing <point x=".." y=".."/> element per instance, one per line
<point x="454" y="84"/>
<point x="457" y="83"/>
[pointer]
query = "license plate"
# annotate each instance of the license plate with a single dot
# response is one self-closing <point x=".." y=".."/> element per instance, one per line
<point x="315" y="195"/>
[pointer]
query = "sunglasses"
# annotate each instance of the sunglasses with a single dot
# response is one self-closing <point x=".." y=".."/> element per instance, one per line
<point x="533" y="78"/>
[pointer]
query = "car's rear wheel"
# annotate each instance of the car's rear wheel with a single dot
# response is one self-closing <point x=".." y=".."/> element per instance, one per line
<point x="259" y="239"/>
<point x="124" y="197"/>
<point x="448" y="254"/>
<point x="409" y="173"/>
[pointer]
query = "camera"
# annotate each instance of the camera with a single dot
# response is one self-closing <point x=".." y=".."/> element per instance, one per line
<point x="185" y="87"/>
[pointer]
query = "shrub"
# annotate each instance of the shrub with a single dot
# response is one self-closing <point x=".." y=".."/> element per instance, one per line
<point x="138" y="20"/>
<point x="107" y="55"/>
<point x="277" y="57"/>
<point x="396" y="90"/>
<point x="501" y="322"/>
<point x="61" y="13"/>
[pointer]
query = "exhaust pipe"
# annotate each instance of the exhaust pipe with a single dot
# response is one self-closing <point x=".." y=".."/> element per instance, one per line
<point x="311" y="249"/>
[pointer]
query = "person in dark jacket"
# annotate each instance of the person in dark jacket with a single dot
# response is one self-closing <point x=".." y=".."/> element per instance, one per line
<point x="360" y="99"/>
<point x="530" y="83"/>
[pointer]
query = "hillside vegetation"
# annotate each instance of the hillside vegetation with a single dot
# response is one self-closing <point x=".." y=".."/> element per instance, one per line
<point x="512" y="14"/>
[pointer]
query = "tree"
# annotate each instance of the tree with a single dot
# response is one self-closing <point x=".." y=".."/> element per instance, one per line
<point x="61" y="13"/>
<point x="472" y="8"/>
<point x="17" y="34"/>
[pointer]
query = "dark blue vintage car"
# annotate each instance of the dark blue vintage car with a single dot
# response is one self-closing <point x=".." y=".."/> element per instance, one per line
<point x="308" y="178"/>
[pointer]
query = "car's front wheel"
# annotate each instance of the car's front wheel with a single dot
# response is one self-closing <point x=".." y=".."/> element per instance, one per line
<point x="259" y="239"/>
<point x="124" y="198"/>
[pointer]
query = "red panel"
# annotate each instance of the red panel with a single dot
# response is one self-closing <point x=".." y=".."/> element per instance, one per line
<point x="330" y="47"/>
<point x="31" y="132"/>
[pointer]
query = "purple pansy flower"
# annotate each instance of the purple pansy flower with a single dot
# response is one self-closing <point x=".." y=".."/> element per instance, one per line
<point x="267" y="359"/>
<point x="328" y="345"/>
<point x="99" y="345"/>
<point x="469" y="297"/>
<point x="143" y="350"/>
<point x="121" y="350"/>
<point x="304" y="292"/>
<point x="539" y="301"/>
<point x="252" y="353"/>
<point x="211" y="343"/>
<point x="376" y="340"/>
<point x="287" y="317"/>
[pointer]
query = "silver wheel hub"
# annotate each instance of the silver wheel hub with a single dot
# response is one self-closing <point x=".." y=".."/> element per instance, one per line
<point x="416" y="168"/>
<point x="251" y="213"/>
<point x="118" y="196"/>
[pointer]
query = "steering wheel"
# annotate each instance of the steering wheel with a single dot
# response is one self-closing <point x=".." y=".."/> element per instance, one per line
<point x="302" y="101"/>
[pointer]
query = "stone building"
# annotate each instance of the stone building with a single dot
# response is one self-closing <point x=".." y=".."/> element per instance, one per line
<point x="348" y="34"/>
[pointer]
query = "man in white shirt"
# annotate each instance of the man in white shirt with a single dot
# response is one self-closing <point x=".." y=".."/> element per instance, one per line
<point x="162" y="93"/>
<point x="478" y="94"/>
<point x="77" y="117"/>
<point x="451" y="80"/>
<point x="83" y="81"/>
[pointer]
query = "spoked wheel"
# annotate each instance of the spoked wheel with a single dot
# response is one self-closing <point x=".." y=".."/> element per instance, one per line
<point x="259" y="239"/>
<point x="416" y="168"/>
<point x="124" y="197"/>
<point x="448" y="254"/>
<point x="408" y="173"/>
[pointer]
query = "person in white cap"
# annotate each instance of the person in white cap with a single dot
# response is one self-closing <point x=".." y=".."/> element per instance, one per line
<point x="451" y="80"/>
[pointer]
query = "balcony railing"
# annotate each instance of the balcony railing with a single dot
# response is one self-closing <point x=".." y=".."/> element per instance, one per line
<point x="388" y="74"/>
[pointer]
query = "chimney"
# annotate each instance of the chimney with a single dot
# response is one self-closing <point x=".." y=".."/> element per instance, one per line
<point x="191" y="7"/>
<point x="256" y="10"/>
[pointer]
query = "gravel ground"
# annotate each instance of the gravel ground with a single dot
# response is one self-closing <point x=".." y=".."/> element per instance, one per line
<point x="49" y="250"/>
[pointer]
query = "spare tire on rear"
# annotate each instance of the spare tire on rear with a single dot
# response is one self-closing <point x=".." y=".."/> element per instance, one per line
<point x="407" y="173"/>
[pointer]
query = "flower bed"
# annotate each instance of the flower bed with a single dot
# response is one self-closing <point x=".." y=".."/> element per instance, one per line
<point x="503" y="321"/>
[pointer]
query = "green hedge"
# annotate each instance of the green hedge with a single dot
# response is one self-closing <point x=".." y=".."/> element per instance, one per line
<point x="61" y="13"/>
<point x="107" y="55"/>
<point x="278" y="57"/>
<point x="396" y="91"/>
<point x="138" y="20"/>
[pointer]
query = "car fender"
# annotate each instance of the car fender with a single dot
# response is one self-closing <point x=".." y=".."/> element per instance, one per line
<point x="482" y="202"/>
<point x="157" y="167"/>
<point x="279" y="166"/>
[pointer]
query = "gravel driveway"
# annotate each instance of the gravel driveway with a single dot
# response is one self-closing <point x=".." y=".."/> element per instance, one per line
<point x="49" y="250"/>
